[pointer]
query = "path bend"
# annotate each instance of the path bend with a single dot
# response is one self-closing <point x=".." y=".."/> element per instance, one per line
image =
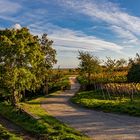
<point x="96" y="124"/>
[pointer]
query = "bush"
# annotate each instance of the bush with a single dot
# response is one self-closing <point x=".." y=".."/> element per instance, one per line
<point x="134" y="73"/>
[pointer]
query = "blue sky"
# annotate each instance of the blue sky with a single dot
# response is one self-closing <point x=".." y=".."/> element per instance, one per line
<point x="102" y="27"/>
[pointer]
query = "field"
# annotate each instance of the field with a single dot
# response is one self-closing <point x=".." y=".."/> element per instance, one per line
<point x="109" y="92"/>
<point x="95" y="100"/>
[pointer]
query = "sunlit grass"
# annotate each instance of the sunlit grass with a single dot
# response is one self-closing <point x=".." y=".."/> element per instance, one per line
<point x="6" y="135"/>
<point x="95" y="100"/>
<point x="44" y="126"/>
<point x="55" y="129"/>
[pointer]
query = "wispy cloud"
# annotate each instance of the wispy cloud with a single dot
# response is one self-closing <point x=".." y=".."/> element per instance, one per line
<point x="77" y="40"/>
<point x="72" y="40"/>
<point x="8" y="7"/>
<point x="128" y="37"/>
<point x="122" y="23"/>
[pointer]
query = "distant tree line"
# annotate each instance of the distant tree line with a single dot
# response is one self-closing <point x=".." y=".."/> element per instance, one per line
<point x="90" y="65"/>
<point x="116" y="78"/>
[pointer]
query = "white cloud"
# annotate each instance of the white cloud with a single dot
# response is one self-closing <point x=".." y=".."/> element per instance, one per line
<point x="17" y="26"/>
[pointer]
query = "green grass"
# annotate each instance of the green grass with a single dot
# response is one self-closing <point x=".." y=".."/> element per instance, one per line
<point x="61" y="84"/>
<point x="94" y="100"/>
<point x="46" y="126"/>
<point x="6" y="135"/>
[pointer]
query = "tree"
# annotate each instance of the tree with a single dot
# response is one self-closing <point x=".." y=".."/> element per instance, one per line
<point x="134" y="71"/>
<point x="121" y="63"/>
<point x="50" y="60"/>
<point x="110" y="64"/>
<point x="88" y="64"/>
<point x="24" y="62"/>
<point x="113" y="64"/>
<point x="134" y="61"/>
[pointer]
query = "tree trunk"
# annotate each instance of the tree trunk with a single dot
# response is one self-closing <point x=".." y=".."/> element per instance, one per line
<point x="14" y="98"/>
<point x="89" y="79"/>
<point x="108" y="93"/>
<point x="23" y="96"/>
<point x="101" y="87"/>
<point x="46" y="87"/>
<point x="131" y="95"/>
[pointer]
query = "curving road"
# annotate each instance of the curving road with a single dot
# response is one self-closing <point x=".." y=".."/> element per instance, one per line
<point x="95" y="124"/>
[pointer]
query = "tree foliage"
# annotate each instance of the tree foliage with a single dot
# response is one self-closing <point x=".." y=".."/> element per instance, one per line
<point x="88" y="64"/>
<point x="134" y="71"/>
<point x="49" y="60"/>
<point x="113" y="64"/>
<point x="24" y="61"/>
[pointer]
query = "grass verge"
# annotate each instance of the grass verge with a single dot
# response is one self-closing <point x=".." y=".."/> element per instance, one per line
<point x="46" y="126"/>
<point x="94" y="100"/>
<point x="6" y="135"/>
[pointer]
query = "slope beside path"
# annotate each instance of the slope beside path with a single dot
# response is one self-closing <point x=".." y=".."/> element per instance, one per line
<point x="12" y="127"/>
<point x="95" y="124"/>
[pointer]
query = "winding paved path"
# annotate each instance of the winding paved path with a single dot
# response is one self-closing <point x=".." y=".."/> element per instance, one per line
<point x="97" y="125"/>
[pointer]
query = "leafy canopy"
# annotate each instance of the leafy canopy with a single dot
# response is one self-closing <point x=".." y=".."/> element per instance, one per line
<point x="24" y="59"/>
<point x="134" y="71"/>
<point x="88" y="63"/>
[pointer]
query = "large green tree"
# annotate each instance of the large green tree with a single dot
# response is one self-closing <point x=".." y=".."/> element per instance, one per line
<point x="24" y="61"/>
<point x="89" y="65"/>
